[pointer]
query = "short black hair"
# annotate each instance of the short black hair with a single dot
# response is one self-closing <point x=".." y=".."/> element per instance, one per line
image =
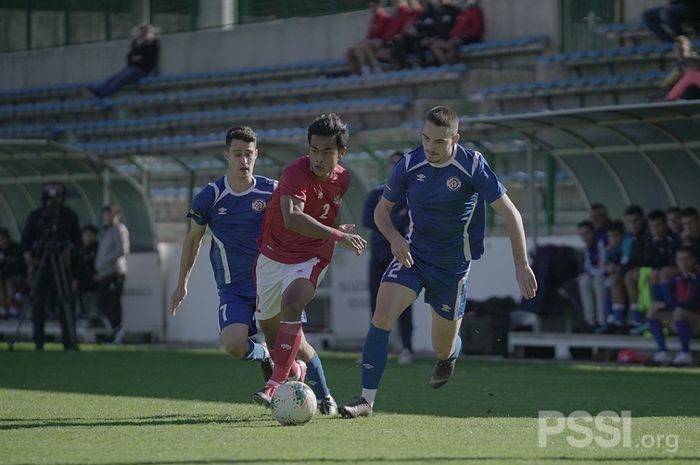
<point x="89" y="227"/>
<point x="616" y="226"/>
<point x="657" y="215"/>
<point x="689" y="211"/>
<point x="585" y="224"/>
<point x="634" y="210"/>
<point x="243" y="133"/>
<point x="598" y="206"/>
<point x="443" y="117"/>
<point x="5" y="232"/>
<point x="330" y="125"/>
<point x="673" y="209"/>
<point x="687" y="249"/>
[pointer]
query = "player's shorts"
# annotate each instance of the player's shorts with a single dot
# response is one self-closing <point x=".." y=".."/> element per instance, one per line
<point x="445" y="292"/>
<point x="234" y="308"/>
<point x="272" y="278"/>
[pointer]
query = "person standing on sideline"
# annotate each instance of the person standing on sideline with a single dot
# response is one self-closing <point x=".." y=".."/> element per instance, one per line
<point x="446" y="187"/>
<point x="110" y="265"/>
<point x="380" y="256"/>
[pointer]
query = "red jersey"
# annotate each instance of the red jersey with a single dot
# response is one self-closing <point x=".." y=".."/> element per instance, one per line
<point x="377" y="24"/>
<point x="469" y="23"/>
<point x="321" y="201"/>
<point x="397" y="24"/>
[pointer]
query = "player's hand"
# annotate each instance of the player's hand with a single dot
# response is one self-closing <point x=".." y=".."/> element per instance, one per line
<point x="176" y="299"/>
<point x="355" y="242"/>
<point x="402" y="252"/>
<point x="347" y="228"/>
<point x="526" y="281"/>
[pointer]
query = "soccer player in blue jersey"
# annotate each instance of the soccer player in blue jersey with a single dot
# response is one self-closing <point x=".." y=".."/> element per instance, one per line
<point x="233" y="208"/>
<point x="446" y="187"/>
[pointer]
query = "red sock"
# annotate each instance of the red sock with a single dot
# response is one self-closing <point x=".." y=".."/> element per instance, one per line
<point x="286" y="349"/>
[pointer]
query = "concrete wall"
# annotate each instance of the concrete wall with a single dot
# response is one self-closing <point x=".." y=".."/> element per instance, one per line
<point x="284" y="41"/>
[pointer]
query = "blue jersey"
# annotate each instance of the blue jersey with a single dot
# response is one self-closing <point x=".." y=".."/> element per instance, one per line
<point x="234" y="220"/>
<point x="445" y="205"/>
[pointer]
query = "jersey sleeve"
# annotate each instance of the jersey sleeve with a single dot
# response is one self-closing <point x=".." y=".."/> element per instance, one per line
<point x="395" y="187"/>
<point x="485" y="181"/>
<point x="201" y="206"/>
<point x="294" y="184"/>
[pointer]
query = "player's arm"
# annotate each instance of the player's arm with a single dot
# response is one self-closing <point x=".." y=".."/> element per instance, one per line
<point x="514" y="225"/>
<point x="296" y="220"/>
<point x="190" y="249"/>
<point x="399" y="246"/>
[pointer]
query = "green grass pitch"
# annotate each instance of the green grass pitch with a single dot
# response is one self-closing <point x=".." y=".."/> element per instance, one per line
<point x="157" y="406"/>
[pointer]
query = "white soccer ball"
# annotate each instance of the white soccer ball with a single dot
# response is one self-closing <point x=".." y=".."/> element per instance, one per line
<point x="293" y="403"/>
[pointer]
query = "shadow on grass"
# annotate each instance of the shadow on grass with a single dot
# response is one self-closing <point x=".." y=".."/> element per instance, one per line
<point x="477" y="389"/>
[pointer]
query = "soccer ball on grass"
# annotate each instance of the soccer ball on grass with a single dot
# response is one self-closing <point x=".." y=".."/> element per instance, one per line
<point x="293" y="403"/>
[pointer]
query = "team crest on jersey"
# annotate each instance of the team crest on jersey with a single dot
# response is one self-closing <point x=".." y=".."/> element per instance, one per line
<point x="221" y="211"/>
<point x="336" y="198"/>
<point x="259" y="205"/>
<point x="453" y="183"/>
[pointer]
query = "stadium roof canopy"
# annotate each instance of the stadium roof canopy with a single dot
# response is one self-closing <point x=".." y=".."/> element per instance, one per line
<point x="25" y="165"/>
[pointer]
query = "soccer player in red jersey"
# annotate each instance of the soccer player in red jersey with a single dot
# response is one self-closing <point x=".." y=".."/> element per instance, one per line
<point x="300" y="228"/>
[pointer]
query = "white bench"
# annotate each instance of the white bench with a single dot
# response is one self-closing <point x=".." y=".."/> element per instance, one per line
<point x="563" y="342"/>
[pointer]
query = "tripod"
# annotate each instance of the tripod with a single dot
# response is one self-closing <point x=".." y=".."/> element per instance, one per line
<point x="51" y="275"/>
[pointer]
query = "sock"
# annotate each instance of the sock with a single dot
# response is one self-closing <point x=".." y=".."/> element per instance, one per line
<point x="618" y="313"/>
<point x="369" y="395"/>
<point x="458" y="349"/>
<point x="657" y="292"/>
<point x="255" y="351"/>
<point x="316" y="379"/>
<point x="286" y="349"/>
<point x="683" y="329"/>
<point x="374" y="356"/>
<point x="657" y="331"/>
<point x="667" y="293"/>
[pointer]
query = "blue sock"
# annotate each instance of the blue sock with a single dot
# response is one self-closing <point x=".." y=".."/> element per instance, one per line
<point x="657" y="292"/>
<point x="667" y="293"/>
<point x="374" y="356"/>
<point x="255" y="351"/>
<point x="683" y="334"/>
<point x="458" y="348"/>
<point x="618" y="314"/>
<point x="637" y="317"/>
<point x="657" y="331"/>
<point x="316" y="379"/>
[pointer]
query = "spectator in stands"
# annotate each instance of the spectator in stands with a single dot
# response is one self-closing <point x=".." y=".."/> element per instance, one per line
<point x="398" y="24"/>
<point x="688" y="86"/>
<point x="600" y="219"/>
<point x="85" y="283"/>
<point x="468" y="28"/>
<point x="674" y="222"/>
<point x="671" y="17"/>
<point x="110" y="264"/>
<point x="682" y="309"/>
<point x="140" y="62"/>
<point x="381" y="256"/>
<point x="624" y="286"/>
<point x="418" y="36"/>
<point x="362" y="56"/>
<point x="691" y="230"/>
<point x="591" y="282"/>
<point x="12" y="270"/>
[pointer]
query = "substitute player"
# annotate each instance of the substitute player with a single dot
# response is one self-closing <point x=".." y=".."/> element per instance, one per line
<point x="446" y="186"/>
<point x="299" y="232"/>
<point x="233" y="208"/>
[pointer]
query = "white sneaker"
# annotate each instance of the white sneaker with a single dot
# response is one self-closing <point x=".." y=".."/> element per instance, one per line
<point x="405" y="357"/>
<point x="660" y="358"/>
<point x="682" y="359"/>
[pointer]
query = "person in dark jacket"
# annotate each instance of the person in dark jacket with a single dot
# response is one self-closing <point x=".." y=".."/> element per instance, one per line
<point x="11" y="273"/>
<point x="140" y="62"/>
<point x="670" y="18"/>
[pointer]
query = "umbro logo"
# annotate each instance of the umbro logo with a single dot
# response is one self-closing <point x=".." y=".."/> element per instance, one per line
<point x="221" y="211"/>
<point x="420" y="177"/>
<point x="369" y="366"/>
<point x="286" y="346"/>
<point x="446" y="308"/>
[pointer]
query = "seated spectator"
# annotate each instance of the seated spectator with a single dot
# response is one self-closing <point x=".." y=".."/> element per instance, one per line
<point x="690" y="235"/>
<point x="396" y="28"/>
<point x="468" y="28"/>
<point x="362" y="56"/>
<point x="624" y="285"/>
<point x="591" y="282"/>
<point x="682" y="310"/>
<point x="12" y="270"/>
<point x="672" y="17"/>
<point x="673" y="221"/>
<point x="600" y="219"/>
<point x="85" y="283"/>
<point x="140" y="62"/>
<point x="418" y="36"/>
<point x="688" y="86"/>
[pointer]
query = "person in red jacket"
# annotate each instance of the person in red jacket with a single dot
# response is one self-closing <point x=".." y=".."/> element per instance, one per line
<point x="468" y="29"/>
<point x="361" y="56"/>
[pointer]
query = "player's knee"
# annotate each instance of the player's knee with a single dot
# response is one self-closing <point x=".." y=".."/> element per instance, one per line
<point x="680" y="314"/>
<point x="382" y="321"/>
<point x="236" y="349"/>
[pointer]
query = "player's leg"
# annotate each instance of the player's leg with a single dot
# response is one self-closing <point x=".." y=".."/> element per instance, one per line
<point x="631" y="279"/>
<point x="618" y="296"/>
<point x="658" y="314"/>
<point x="406" y="329"/>
<point x="316" y="378"/>
<point x="447" y="345"/>
<point x="234" y="339"/>
<point x="686" y="323"/>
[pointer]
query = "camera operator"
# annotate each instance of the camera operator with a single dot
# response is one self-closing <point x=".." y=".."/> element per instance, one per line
<point x="49" y="237"/>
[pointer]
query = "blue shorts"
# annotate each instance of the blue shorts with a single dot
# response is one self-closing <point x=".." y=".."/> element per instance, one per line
<point x="234" y="308"/>
<point x="445" y="292"/>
